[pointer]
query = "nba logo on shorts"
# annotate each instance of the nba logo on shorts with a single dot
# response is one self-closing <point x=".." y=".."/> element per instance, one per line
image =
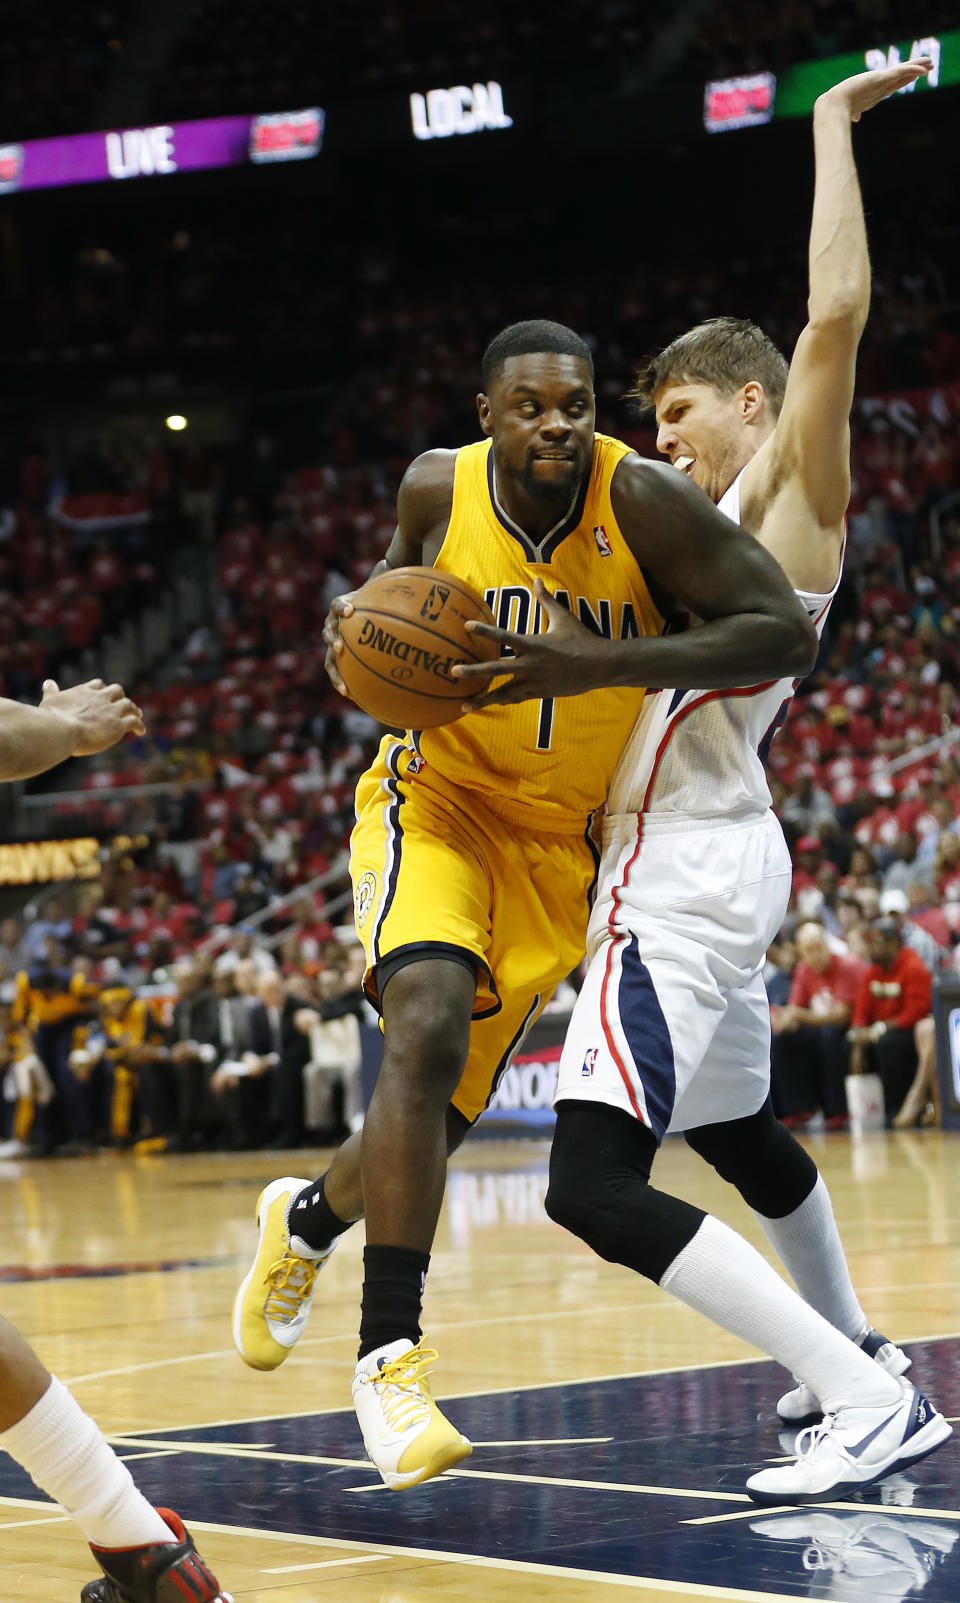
<point x="603" y="543"/>
<point x="589" y="1062"/>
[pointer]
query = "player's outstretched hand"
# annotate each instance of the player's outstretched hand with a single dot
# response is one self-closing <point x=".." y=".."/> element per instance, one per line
<point x="103" y="713"/>
<point x="866" y="89"/>
<point x="561" y="662"/>
<point x="340" y="607"/>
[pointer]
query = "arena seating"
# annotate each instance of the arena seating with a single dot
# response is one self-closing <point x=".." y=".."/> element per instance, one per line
<point x="735" y="37"/>
<point x="53" y="61"/>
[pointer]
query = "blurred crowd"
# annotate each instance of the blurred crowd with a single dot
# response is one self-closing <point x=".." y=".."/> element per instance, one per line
<point x="135" y="293"/>
<point x="221" y="58"/>
<point x="254" y="763"/>
<point x="742" y="36"/>
<point x="222" y="62"/>
<point x="54" y="61"/>
<point x="242" y="792"/>
<point x="104" y="1044"/>
<point x="228" y="823"/>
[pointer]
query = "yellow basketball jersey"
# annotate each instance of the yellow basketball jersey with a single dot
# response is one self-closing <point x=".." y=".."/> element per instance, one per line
<point x="543" y="763"/>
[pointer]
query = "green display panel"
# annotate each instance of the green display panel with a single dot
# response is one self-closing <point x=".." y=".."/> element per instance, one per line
<point x="799" y="86"/>
<point x="759" y="97"/>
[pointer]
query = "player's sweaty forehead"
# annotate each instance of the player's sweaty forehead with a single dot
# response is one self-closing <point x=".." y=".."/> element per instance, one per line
<point x="544" y="375"/>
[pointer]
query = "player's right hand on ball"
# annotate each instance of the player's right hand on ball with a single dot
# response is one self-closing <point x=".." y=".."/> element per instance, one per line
<point x="103" y="713"/>
<point x="340" y="607"/>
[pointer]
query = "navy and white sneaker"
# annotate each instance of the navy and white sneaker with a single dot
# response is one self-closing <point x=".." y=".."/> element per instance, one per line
<point x="802" y="1407"/>
<point x="853" y="1447"/>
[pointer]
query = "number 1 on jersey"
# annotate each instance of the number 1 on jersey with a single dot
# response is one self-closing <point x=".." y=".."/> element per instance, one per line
<point x="545" y="724"/>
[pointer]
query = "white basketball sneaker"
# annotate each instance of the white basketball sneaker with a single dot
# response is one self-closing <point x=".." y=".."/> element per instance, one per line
<point x="404" y="1432"/>
<point x="802" y="1407"/>
<point x="272" y="1305"/>
<point x="852" y="1448"/>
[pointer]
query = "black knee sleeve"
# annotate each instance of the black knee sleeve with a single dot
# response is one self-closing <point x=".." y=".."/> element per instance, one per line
<point x="599" y="1189"/>
<point x="759" y="1156"/>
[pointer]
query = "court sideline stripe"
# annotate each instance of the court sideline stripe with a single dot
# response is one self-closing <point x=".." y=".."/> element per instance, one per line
<point x="693" y="1592"/>
<point x="646" y="1583"/>
<point x="265" y="1455"/>
<point x="488" y="1391"/>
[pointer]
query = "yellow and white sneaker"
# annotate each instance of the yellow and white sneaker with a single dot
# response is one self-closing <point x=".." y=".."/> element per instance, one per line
<point x="272" y="1305"/>
<point x="404" y="1432"/>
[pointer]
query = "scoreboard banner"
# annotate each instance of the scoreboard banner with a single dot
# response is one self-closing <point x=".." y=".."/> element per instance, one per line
<point x="799" y="86"/>
<point x="764" y="97"/>
<point x="165" y="148"/>
<point x="35" y="862"/>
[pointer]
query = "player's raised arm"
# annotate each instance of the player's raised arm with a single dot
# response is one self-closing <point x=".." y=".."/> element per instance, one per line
<point x="423" y="512"/>
<point x="811" y="442"/>
<point x="76" y="722"/>
<point x="754" y="630"/>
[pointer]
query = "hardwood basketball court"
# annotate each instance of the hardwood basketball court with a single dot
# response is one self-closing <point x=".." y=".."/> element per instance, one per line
<point x="613" y="1427"/>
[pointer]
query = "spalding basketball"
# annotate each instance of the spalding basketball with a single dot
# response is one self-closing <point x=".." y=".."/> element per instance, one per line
<point x="406" y="632"/>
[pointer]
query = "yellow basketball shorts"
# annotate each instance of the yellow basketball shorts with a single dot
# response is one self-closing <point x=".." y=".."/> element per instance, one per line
<point x="436" y="872"/>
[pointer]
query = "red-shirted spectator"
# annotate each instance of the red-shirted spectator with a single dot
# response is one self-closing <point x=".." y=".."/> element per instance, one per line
<point x="825" y="983"/>
<point x="809" y="1056"/>
<point x="895" y="994"/>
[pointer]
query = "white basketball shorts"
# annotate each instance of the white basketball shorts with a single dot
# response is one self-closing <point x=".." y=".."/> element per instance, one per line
<point x="672" y="1024"/>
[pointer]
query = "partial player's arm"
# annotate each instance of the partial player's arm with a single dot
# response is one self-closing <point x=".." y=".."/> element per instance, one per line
<point x="754" y="627"/>
<point x="68" y="723"/>
<point x="423" y="512"/>
<point x="802" y="474"/>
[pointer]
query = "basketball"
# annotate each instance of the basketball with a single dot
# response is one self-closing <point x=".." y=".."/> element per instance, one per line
<point x="406" y="632"/>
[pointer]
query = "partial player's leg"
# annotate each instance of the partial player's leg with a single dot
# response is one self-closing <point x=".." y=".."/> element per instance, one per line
<point x="60" y="1447"/>
<point x="779" y="1180"/>
<point x="300" y="1222"/>
<point x="427" y="1008"/>
<point x="640" y="1054"/>
<point x="921" y="1104"/>
<point x="599" y="1188"/>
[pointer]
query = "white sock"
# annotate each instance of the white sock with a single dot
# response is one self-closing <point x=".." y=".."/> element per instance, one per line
<point x="63" y="1450"/>
<point x="808" y="1245"/>
<point x="722" y="1276"/>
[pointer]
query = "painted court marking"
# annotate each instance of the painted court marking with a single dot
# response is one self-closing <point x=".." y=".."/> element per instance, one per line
<point x="487" y="1391"/>
<point x="323" y="1564"/>
<point x="344" y="1553"/>
<point x="757" y="1510"/>
<point x="371" y="1550"/>
<point x="263" y="1455"/>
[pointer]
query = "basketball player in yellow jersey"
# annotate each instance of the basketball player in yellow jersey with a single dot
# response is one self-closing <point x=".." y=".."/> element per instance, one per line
<point x="471" y="858"/>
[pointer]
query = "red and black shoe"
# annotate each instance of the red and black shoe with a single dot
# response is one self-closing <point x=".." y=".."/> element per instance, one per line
<point x="163" y="1572"/>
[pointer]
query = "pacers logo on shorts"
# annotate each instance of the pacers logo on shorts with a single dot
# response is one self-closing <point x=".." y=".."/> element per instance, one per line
<point x="364" y="896"/>
<point x="589" y="1062"/>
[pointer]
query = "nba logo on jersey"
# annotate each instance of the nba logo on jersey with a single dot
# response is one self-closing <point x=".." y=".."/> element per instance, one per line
<point x="415" y="764"/>
<point x="603" y="544"/>
<point x="589" y="1062"/>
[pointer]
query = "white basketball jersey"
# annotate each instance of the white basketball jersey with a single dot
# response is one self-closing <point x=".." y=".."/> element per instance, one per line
<point x="699" y="754"/>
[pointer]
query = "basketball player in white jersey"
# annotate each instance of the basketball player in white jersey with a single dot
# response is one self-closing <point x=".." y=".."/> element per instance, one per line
<point x="671" y="1031"/>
